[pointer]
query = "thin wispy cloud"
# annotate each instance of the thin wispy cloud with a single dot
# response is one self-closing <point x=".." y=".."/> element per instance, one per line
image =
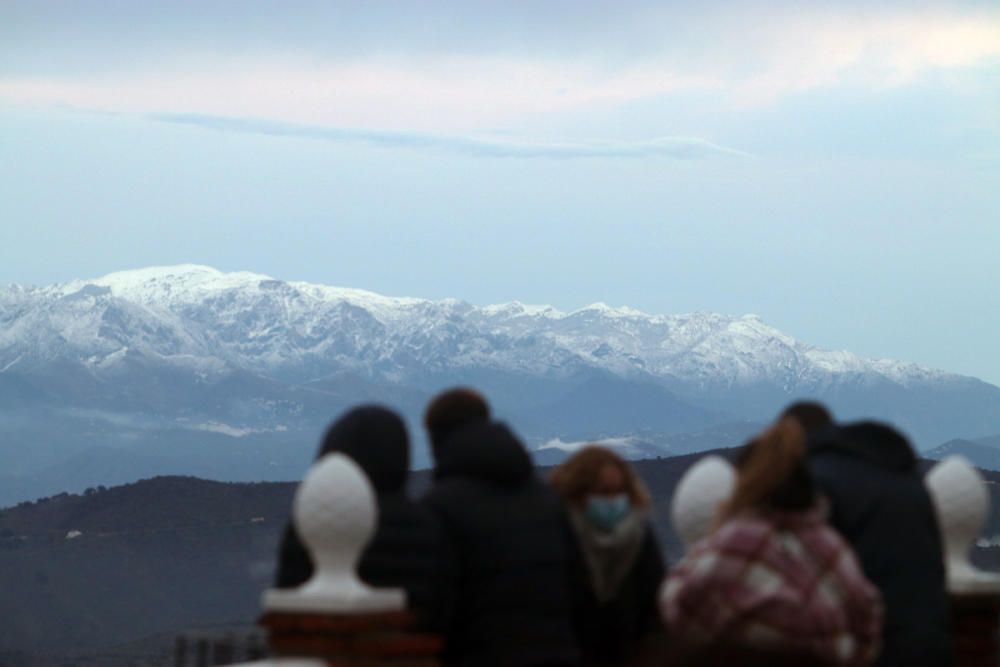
<point x="494" y="147"/>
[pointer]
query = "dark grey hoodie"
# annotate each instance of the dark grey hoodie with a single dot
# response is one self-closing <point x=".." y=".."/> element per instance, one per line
<point x="881" y="506"/>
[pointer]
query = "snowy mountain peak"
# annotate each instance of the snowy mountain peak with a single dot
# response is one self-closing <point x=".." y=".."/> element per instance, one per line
<point x="164" y="284"/>
<point x="255" y="322"/>
<point x="605" y="310"/>
<point x="517" y="309"/>
<point x="385" y="306"/>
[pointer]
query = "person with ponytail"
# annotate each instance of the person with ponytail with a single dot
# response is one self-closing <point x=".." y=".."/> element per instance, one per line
<point x="773" y="583"/>
<point x="618" y="566"/>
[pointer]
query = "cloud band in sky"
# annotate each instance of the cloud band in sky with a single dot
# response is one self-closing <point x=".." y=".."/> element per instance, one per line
<point x="663" y="147"/>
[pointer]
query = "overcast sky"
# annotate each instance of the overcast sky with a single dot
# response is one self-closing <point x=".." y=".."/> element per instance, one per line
<point x="833" y="168"/>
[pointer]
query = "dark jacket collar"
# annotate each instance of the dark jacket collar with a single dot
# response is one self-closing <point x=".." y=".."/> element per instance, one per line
<point x="487" y="451"/>
<point x="878" y="444"/>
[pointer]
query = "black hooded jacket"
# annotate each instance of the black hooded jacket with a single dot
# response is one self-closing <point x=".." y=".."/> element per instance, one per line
<point x="409" y="548"/>
<point x="881" y="506"/>
<point x="512" y="545"/>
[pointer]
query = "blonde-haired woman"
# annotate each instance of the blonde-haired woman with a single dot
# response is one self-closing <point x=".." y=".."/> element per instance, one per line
<point x="619" y="567"/>
<point x="774" y="583"/>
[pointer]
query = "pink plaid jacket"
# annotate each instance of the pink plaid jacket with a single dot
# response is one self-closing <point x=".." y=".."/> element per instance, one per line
<point x="776" y="581"/>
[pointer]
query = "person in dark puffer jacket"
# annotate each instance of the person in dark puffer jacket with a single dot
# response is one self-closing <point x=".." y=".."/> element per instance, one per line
<point x="511" y="538"/>
<point x="881" y="506"/>
<point x="409" y="549"/>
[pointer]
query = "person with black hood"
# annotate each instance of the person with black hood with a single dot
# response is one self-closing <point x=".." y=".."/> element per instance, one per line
<point x="880" y="505"/>
<point x="409" y="549"/>
<point x="511" y="539"/>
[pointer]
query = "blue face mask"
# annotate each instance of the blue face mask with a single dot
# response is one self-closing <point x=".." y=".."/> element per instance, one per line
<point x="606" y="511"/>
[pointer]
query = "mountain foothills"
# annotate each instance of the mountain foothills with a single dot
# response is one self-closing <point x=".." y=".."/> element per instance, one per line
<point x="188" y="370"/>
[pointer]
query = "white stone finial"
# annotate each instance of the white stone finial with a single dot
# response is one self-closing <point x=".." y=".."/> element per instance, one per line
<point x="703" y="488"/>
<point x="335" y="516"/>
<point x="961" y="503"/>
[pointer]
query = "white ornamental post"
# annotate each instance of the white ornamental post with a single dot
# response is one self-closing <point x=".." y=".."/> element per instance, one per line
<point x="962" y="504"/>
<point x="701" y="491"/>
<point x="335" y="516"/>
<point x="335" y="618"/>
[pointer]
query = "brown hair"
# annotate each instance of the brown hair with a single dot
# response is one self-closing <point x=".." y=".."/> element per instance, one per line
<point x="810" y="415"/>
<point x="452" y="409"/>
<point x="772" y="472"/>
<point x="578" y="474"/>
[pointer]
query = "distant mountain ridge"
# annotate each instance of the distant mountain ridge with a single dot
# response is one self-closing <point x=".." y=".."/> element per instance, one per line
<point x="198" y="317"/>
<point x="982" y="452"/>
<point x="165" y="363"/>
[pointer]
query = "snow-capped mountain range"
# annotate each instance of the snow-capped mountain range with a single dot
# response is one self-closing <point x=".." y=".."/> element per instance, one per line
<point x="185" y="363"/>
<point x="198" y="317"/>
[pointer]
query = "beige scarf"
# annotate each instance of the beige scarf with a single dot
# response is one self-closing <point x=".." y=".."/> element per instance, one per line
<point x="609" y="555"/>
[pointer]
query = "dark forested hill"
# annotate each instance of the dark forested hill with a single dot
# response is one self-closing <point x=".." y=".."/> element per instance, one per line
<point x="84" y="573"/>
<point x="114" y="574"/>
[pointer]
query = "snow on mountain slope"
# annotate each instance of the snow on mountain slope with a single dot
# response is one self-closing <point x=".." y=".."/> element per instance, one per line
<point x="237" y="373"/>
<point x="196" y="315"/>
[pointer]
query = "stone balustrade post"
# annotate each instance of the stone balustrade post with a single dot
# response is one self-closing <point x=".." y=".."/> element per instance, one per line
<point x="961" y="503"/>
<point x="699" y="494"/>
<point x="335" y="619"/>
<point x="962" y="506"/>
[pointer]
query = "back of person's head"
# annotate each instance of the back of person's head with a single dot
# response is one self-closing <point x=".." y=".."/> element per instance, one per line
<point x="811" y="416"/>
<point x="376" y="439"/>
<point x="583" y="474"/>
<point x="877" y="443"/>
<point x="451" y="410"/>
<point x="772" y="473"/>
